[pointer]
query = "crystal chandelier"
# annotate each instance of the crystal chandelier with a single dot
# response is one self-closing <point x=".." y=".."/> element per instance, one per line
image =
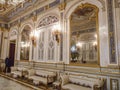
<point x="11" y="2"/>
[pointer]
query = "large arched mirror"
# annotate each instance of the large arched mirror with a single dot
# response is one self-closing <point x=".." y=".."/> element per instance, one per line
<point x="84" y="41"/>
<point x="25" y="43"/>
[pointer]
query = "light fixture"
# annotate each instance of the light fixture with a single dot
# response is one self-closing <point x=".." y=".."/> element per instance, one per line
<point x="33" y="37"/>
<point x="10" y="2"/>
<point x="95" y="35"/>
<point x="56" y="33"/>
<point x="95" y="45"/>
<point x="79" y="44"/>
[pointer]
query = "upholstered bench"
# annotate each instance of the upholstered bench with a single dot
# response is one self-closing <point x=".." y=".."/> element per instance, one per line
<point x="56" y="85"/>
<point x="2" y="67"/>
<point x="18" y="71"/>
<point x="71" y="82"/>
<point x="44" y="77"/>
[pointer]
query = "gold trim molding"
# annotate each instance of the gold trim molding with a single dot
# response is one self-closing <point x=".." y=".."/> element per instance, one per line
<point x="62" y="6"/>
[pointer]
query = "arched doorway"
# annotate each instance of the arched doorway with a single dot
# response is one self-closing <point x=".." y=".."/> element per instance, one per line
<point x="12" y="51"/>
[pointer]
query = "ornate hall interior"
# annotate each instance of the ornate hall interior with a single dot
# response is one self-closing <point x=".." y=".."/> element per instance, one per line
<point x="60" y="44"/>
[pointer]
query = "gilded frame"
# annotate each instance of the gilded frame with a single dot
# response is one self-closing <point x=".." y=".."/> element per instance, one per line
<point x="97" y="32"/>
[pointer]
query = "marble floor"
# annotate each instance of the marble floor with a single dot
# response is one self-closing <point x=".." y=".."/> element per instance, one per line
<point x="6" y="84"/>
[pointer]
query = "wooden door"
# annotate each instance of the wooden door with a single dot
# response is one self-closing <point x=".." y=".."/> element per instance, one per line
<point x="12" y="52"/>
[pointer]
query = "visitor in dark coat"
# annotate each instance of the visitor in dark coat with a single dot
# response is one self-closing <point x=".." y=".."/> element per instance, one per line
<point x="7" y="65"/>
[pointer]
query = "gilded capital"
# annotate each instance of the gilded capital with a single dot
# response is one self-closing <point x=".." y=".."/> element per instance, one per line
<point x="34" y="18"/>
<point x="62" y="6"/>
<point x="46" y="7"/>
<point x="19" y="24"/>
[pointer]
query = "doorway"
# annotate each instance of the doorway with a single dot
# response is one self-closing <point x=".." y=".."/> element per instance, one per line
<point x="12" y="51"/>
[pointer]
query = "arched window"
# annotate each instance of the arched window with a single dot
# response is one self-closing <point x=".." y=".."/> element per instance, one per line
<point x="84" y="41"/>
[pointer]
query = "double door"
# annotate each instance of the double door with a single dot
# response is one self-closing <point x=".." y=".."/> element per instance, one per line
<point x="47" y="50"/>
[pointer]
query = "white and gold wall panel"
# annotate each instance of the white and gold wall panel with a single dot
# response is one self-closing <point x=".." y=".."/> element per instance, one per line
<point x="62" y="51"/>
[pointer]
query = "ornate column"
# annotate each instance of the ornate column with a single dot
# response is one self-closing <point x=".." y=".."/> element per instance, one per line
<point x="111" y="29"/>
<point x="1" y="39"/>
<point x="34" y="47"/>
<point x="117" y="27"/>
<point x="61" y="9"/>
<point x="5" y="49"/>
<point x="18" y="41"/>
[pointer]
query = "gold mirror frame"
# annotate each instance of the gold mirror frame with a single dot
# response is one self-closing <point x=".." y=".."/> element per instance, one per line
<point x="25" y="44"/>
<point x="96" y="9"/>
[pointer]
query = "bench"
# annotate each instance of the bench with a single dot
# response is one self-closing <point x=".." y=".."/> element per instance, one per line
<point x="18" y="71"/>
<point x="41" y="76"/>
<point x="72" y="82"/>
<point x="2" y="67"/>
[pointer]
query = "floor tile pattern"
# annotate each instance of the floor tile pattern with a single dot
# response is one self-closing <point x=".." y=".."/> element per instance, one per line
<point x="6" y="84"/>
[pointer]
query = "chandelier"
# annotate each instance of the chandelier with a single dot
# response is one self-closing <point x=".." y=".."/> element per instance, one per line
<point x="11" y="2"/>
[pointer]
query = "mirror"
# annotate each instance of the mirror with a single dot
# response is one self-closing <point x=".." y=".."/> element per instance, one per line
<point x="25" y="43"/>
<point x="84" y="43"/>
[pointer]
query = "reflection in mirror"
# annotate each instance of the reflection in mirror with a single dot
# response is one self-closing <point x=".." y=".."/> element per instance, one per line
<point x="25" y="43"/>
<point x="84" y="45"/>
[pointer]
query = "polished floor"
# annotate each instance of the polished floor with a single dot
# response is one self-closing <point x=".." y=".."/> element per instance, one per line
<point x="6" y="84"/>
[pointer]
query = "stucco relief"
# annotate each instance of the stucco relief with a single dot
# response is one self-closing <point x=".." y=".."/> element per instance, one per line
<point x="48" y="20"/>
<point x="13" y="33"/>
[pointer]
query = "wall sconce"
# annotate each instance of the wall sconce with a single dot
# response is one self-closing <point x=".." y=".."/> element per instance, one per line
<point x="56" y="33"/>
<point x="79" y="44"/>
<point x="33" y="37"/>
<point x="95" y="45"/>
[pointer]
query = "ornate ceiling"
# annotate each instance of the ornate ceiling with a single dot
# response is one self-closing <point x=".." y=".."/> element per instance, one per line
<point x="10" y="12"/>
<point x="4" y="8"/>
